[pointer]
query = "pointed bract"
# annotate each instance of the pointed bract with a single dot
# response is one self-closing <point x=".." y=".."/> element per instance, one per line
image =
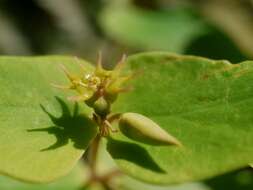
<point x="140" y="128"/>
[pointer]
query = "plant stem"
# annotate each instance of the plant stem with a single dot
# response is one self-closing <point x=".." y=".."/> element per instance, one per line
<point x="91" y="158"/>
<point x="92" y="155"/>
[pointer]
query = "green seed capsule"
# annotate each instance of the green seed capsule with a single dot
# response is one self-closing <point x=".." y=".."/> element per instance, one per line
<point x="101" y="106"/>
<point x="140" y="128"/>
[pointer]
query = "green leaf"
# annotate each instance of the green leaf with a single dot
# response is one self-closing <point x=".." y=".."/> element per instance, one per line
<point x="171" y="30"/>
<point x="42" y="135"/>
<point x="207" y="105"/>
<point x="132" y="184"/>
<point x="236" y="180"/>
<point x="73" y="181"/>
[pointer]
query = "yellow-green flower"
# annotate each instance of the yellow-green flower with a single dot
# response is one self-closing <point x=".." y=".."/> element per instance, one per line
<point x="99" y="83"/>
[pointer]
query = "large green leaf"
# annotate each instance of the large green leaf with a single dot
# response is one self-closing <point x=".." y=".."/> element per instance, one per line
<point x="41" y="135"/>
<point x="206" y="104"/>
<point x="73" y="181"/>
<point x="170" y="30"/>
<point x="236" y="180"/>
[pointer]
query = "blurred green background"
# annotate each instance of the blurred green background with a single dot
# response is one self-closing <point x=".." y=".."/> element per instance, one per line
<point x="217" y="29"/>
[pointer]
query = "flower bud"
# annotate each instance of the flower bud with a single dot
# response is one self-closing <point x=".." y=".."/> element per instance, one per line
<point x="140" y="128"/>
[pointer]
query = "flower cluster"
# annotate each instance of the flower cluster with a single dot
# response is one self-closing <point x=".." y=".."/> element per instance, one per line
<point x="99" y="88"/>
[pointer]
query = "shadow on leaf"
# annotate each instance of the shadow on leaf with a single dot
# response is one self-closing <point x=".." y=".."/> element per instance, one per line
<point x="236" y="180"/>
<point x="133" y="153"/>
<point x="75" y="127"/>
